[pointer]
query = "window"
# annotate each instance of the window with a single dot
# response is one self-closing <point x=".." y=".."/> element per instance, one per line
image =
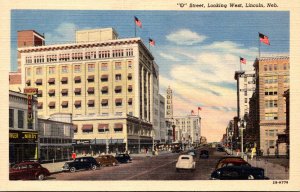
<point x="64" y="80"/>
<point x="77" y="104"/>
<point x="90" y="78"/>
<point x="64" y="104"/>
<point x="51" y="70"/>
<point x="40" y="93"/>
<point x="91" y="67"/>
<point x="39" y="59"/>
<point x="270" y="67"/>
<point x="28" y="71"/>
<point x="38" y="71"/>
<point x="90" y="55"/>
<point x="64" y="57"/>
<point x="77" y="91"/>
<point x="20" y="119"/>
<point x="77" y="56"/>
<point x="28" y="59"/>
<point x="91" y="103"/>
<point x="118" y="65"/>
<point x="129" y="52"/>
<point x="118" y="77"/>
<point x="275" y="67"/>
<point x="11" y="118"/>
<point x="265" y="68"/>
<point x="77" y="79"/>
<point x="51" y="58"/>
<point x="129" y="76"/>
<point x="118" y="89"/>
<point x="284" y="66"/>
<point x="104" y="90"/>
<point x="117" y="53"/>
<point x="64" y="92"/>
<point x="64" y="69"/>
<point x="104" y="66"/>
<point x="104" y="103"/>
<point x="246" y="100"/>
<point x="51" y="81"/>
<point x="271" y="116"/>
<point x="104" y="54"/>
<point x="118" y="102"/>
<point x="91" y="90"/>
<point x="130" y="101"/>
<point x="77" y="68"/>
<point x="51" y="92"/>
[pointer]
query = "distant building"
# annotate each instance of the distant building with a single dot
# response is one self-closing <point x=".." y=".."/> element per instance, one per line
<point x="187" y="129"/>
<point x="272" y="81"/>
<point x="162" y="120"/>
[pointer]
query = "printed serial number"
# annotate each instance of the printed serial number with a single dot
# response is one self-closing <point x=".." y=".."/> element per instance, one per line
<point x="280" y="182"/>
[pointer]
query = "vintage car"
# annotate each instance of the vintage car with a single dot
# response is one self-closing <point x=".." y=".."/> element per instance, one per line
<point x="238" y="173"/>
<point x="28" y="170"/>
<point x="106" y="160"/>
<point x="204" y="154"/>
<point x="232" y="161"/>
<point x="123" y="158"/>
<point x="185" y="162"/>
<point x="81" y="163"/>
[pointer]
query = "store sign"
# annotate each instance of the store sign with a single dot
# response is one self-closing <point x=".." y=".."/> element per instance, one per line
<point x="23" y="136"/>
<point x="30" y="91"/>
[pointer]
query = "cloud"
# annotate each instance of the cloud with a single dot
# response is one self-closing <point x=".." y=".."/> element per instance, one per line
<point x="169" y="57"/>
<point x="64" y="33"/>
<point x="185" y="37"/>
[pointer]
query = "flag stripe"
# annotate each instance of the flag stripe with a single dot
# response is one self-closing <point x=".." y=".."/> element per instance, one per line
<point x="138" y="22"/>
<point x="263" y="38"/>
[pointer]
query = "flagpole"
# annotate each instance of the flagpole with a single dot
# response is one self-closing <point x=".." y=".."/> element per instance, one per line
<point x="240" y="65"/>
<point x="258" y="46"/>
<point x="134" y="29"/>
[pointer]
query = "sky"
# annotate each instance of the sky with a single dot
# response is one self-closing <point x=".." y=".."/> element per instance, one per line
<point x="197" y="51"/>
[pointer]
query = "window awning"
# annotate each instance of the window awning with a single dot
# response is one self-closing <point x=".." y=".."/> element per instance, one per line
<point x="77" y="90"/>
<point x="64" y="79"/>
<point x="75" y="127"/>
<point x="129" y="86"/>
<point x="105" y="88"/>
<point x="40" y="92"/>
<point x="87" y="127"/>
<point x="64" y="103"/>
<point x="90" y="77"/>
<point x="91" y="102"/>
<point x="118" y="88"/>
<point x="119" y="100"/>
<point x="39" y="81"/>
<point x="90" y="90"/>
<point x="104" y="101"/>
<point x="51" y="80"/>
<point x="40" y="105"/>
<point x="118" y="126"/>
<point x="51" y="91"/>
<point x="77" y="78"/>
<point x="28" y="82"/>
<point x="104" y="76"/>
<point x="64" y="91"/>
<point x="129" y="75"/>
<point x="130" y="100"/>
<point x="52" y="104"/>
<point x="77" y="102"/>
<point x="102" y="126"/>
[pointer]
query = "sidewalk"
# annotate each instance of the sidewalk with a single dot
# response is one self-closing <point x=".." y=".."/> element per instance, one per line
<point x="273" y="169"/>
<point x="56" y="166"/>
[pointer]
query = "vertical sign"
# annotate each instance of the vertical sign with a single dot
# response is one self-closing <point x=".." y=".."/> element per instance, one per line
<point x="30" y="92"/>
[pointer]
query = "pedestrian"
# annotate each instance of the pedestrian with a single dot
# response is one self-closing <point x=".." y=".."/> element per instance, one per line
<point x="268" y="152"/>
<point x="276" y="152"/>
<point x="146" y="150"/>
<point x="73" y="155"/>
<point x="253" y="152"/>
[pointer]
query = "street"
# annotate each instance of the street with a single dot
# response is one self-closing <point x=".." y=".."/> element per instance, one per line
<point x="160" y="167"/>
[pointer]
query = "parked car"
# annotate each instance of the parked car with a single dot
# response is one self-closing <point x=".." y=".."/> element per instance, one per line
<point x="28" y="170"/>
<point x="185" y="162"/>
<point x="192" y="152"/>
<point x="123" y="158"/>
<point x="204" y="154"/>
<point x="220" y="149"/>
<point x="106" y="160"/>
<point x="81" y="163"/>
<point x="238" y="173"/>
<point x="232" y="161"/>
<point x="176" y="150"/>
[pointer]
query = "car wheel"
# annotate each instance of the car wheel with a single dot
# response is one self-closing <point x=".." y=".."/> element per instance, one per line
<point x="250" y="177"/>
<point x="72" y="169"/>
<point x="41" y="177"/>
<point x="94" y="167"/>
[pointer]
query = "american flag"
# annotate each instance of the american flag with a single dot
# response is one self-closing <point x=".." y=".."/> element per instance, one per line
<point x="243" y="60"/>
<point x="263" y="38"/>
<point x="138" y="22"/>
<point x="151" y="42"/>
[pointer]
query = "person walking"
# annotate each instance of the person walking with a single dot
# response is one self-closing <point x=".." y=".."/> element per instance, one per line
<point x="73" y="155"/>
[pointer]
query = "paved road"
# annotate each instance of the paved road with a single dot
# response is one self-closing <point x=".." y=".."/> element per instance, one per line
<point x="160" y="167"/>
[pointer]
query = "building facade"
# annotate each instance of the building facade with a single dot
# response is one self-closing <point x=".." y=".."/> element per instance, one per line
<point x="106" y="84"/>
<point x="162" y="120"/>
<point x="55" y="138"/>
<point x="169" y="105"/>
<point x="187" y="129"/>
<point x="23" y="135"/>
<point x="272" y="81"/>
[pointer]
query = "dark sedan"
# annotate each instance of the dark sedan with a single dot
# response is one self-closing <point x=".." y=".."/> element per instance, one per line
<point x="204" y="154"/>
<point x="81" y="163"/>
<point x="123" y="158"/>
<point x="238" y="173"/>
<point x="28" y="170"/>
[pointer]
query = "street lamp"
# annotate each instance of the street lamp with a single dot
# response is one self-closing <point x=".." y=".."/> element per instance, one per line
<point x="242" y="125"/>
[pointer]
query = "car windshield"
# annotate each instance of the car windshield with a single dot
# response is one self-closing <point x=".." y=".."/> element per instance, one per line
<point x="185" y="158"/>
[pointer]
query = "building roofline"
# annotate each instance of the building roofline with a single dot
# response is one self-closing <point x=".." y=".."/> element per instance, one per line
<point x="34" y="32"/>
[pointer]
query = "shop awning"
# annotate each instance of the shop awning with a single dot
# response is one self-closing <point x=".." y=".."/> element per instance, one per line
<point x="87" y="127"/>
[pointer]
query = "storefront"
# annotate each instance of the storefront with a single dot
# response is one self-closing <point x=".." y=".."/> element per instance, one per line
<point x="23" y="146"/>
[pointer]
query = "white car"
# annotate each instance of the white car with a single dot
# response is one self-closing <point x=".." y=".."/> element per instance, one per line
<point x="185" y="162"/>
